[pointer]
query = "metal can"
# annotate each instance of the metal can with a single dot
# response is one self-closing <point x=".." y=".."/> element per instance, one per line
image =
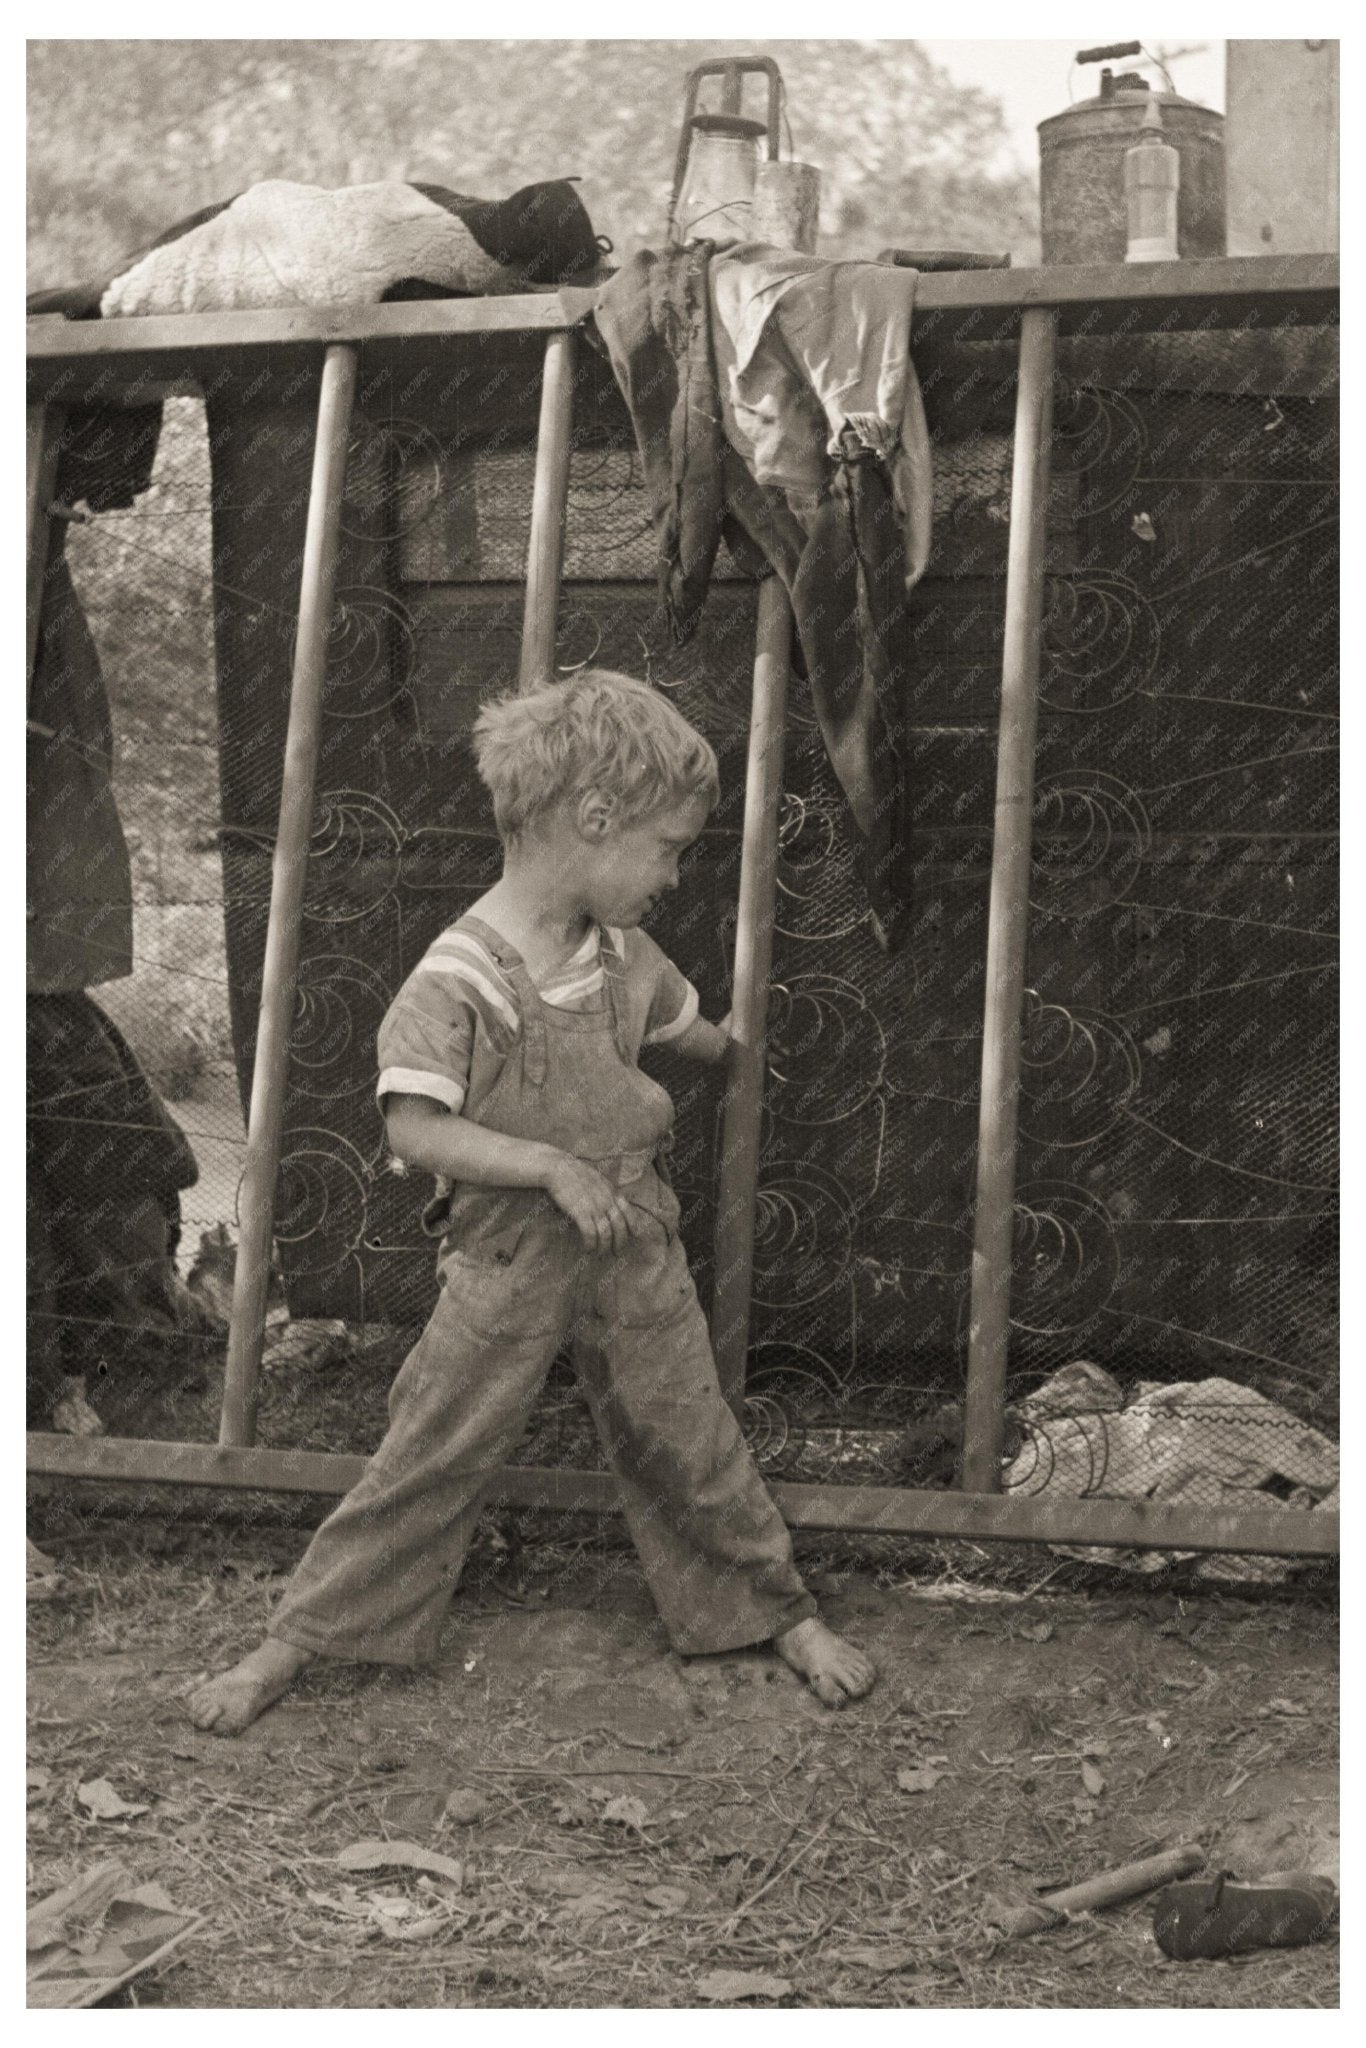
<point x="1084" y="213"/>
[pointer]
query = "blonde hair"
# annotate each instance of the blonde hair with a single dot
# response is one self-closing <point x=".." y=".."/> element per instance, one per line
<point x="598" y="730"/>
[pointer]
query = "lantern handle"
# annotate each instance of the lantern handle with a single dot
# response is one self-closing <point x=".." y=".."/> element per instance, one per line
<point x="732" y="72"/>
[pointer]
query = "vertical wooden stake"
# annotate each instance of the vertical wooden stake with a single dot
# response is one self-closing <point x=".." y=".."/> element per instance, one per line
<point x="288" y="874"/>
<point x="44" y="439"/>
<point x="1008" y="917"/>
<point x="545" y="551"/>
<point x="739" y="1167"/>
<point x="793" y="210"/>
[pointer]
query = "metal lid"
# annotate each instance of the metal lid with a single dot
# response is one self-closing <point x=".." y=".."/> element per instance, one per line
<point x="1130" y="98"/>
<point x="728" y="124"/>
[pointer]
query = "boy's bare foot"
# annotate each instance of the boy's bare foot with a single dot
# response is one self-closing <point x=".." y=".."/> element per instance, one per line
<point x="231" y="1702"/>
<point x="834" y="1669"/>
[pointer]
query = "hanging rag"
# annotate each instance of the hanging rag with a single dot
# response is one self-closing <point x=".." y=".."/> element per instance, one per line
<point x="820" y="400"/>
<point x="810" y="353"/>
<point x="655" y="317"/>
<point x="791" y="418"/>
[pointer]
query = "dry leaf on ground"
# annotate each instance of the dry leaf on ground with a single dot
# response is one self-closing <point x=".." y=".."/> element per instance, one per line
<point x="422" y="1930"/>
<point x="95" y="1934"/>
<point x="388" y="1911"/>
<point x="376" y="1855"/>
<point x="885" y="1960"/>
<point x="722" y="1987"/>
<point x="349" y="1902"/>
<point x="666" y="1898"/>
<point x="1092" y="1779"/>
<point x="625" y="1812"/>
<point x="102" y="1802"/>
<point x="922" y="1780"/>
<point x="589" y="1905"/>
<point x="42" y="1580"/>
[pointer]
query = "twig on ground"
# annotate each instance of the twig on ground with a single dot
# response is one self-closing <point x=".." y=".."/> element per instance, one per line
<point x="606" y="1771"/>
<point x="962" y="1878"/>
<point x="748" y="1905"/>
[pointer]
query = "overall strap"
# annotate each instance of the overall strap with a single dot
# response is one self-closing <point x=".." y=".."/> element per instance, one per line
<point x="614" y="981"/>
<point x="505" y="954"/>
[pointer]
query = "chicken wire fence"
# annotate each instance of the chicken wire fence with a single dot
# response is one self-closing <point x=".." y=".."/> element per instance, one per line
<point x="1176" y="1208"/>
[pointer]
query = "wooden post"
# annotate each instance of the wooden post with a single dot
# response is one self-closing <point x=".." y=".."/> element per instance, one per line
<point x="288" y="874"/>
<point x="545" y="550"/>
<point x="1008" y="917"/>
<point x="44" y="439"/>
<point x="739" y="1165"/>
<point x="792" y="220"/>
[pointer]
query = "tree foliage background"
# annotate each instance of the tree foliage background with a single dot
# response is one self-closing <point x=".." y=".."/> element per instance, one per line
<point x="126" y="137"/>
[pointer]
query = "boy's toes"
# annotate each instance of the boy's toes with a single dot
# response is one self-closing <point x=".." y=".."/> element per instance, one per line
<point x="834" y="1669"/>
<point x="206" y="1705"/>
<point x="859" y="1673"/>
<point x="229" y="1703"/>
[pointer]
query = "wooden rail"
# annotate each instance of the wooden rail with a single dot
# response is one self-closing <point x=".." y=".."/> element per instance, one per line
<point x="75" y="357"/>
<point x="864" y="1510"/>
<point x="137" y="358"/>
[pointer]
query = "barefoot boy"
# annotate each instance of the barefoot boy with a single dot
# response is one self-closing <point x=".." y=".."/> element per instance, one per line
<point x="508" y="1071"/>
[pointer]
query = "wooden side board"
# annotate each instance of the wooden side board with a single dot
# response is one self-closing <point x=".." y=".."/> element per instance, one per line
<point x="140" y="359"/>
<point x="880" y="1510"/>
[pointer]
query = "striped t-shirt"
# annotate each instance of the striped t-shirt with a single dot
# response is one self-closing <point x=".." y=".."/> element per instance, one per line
<point x="458" y="1002"/>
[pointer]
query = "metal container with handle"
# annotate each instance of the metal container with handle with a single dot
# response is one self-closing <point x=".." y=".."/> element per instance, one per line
<point x="1082" y="203"/>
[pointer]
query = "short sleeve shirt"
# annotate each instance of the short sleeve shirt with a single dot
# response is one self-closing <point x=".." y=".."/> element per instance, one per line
<point x="457" y="1016"/>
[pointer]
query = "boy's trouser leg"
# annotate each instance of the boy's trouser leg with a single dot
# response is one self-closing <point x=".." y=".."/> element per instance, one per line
<point x="716" y="1552"/>
<point x="377" y="1578"/>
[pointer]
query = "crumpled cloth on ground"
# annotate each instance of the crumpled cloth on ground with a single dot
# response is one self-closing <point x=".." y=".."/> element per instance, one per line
<point x="1210" y="1442"/>
<point x="794" y="415"/>
<point x="286" y="244"/>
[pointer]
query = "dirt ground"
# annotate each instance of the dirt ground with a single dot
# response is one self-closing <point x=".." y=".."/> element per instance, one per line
<point x="628" y="1823"/>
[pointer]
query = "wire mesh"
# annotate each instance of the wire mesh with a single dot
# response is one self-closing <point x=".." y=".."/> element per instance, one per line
<point x="1176" y="1214"/>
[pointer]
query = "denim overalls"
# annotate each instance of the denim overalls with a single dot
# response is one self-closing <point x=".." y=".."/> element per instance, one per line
<point x="516" y="1284"/>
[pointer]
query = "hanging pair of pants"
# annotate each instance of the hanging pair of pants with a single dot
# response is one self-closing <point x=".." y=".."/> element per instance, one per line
<point x="378" y="1576"/>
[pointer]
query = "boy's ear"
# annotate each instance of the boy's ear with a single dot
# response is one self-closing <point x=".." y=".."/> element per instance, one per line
<point x="596" y="812"/>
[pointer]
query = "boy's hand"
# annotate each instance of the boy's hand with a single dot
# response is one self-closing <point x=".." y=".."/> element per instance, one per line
<point x="704" y="1041"/>
<point x="592" y="1204"/>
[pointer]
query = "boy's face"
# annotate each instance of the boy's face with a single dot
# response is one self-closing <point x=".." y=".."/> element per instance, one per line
<point x="631" y="865"/>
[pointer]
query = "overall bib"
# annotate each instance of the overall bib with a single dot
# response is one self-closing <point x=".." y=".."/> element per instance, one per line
<point x="516" y="1284"/>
